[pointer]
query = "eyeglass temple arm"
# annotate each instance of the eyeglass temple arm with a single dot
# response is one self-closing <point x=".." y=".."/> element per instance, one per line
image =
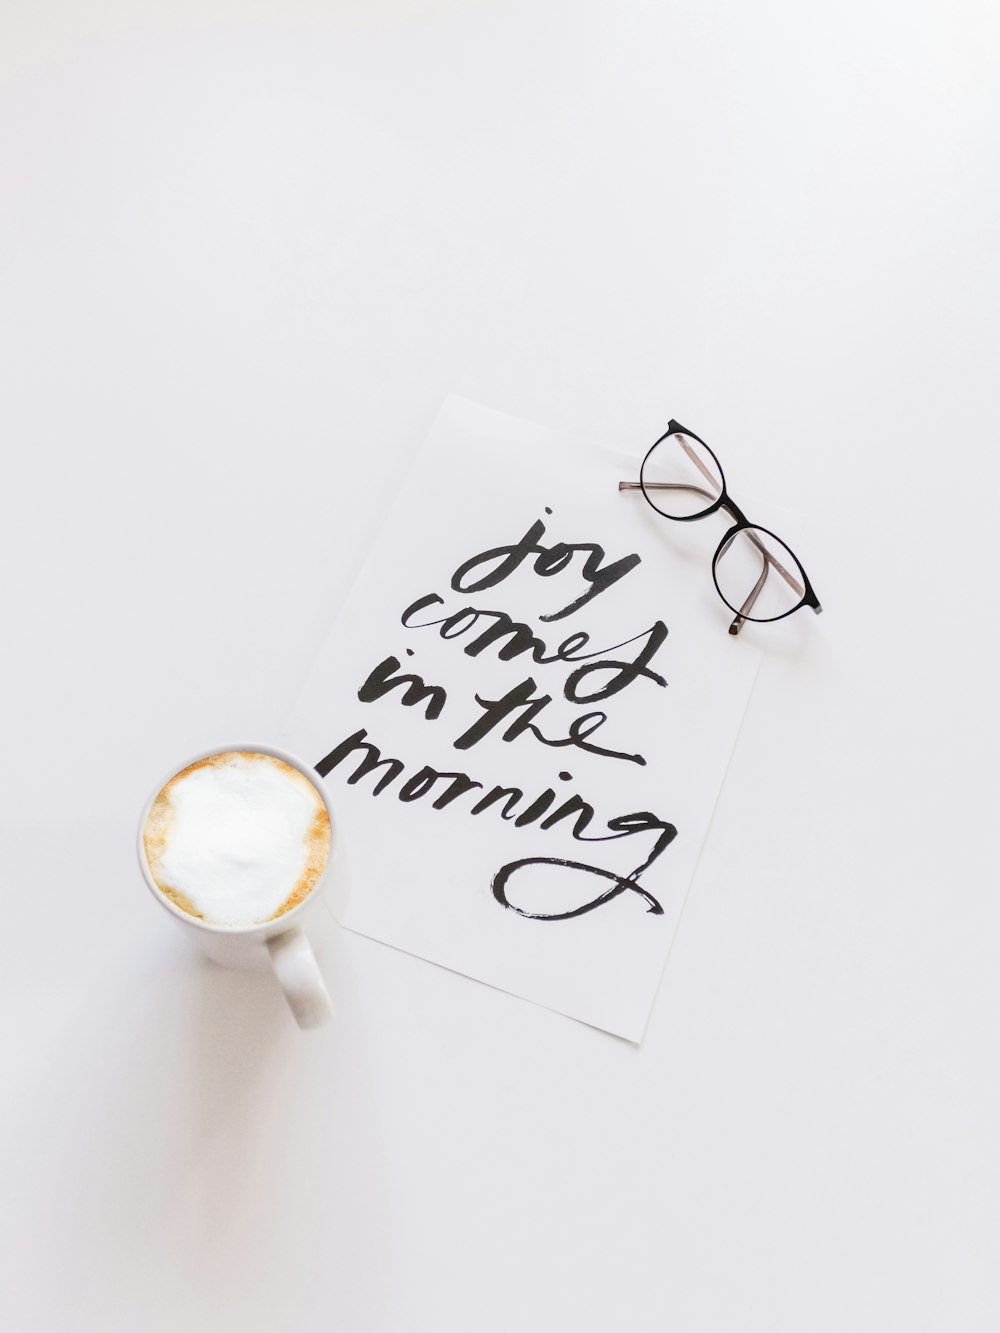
<point x="667" y="486"/>
<point x="741" y="617"/>
<point x="769" y="559"/>
<point x="698" y="463"/>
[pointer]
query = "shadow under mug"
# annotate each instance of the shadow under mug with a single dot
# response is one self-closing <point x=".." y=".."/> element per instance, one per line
<point x="281" y="944"/>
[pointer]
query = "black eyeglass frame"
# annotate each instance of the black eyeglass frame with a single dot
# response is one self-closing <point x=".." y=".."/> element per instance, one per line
<point x="741" y="524"/>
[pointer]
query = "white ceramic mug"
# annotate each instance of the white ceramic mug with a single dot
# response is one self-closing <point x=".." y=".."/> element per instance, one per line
<point x="280" y="944"/>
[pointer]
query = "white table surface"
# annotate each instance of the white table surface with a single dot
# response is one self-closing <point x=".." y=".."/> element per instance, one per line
<point x="245" y="250"/>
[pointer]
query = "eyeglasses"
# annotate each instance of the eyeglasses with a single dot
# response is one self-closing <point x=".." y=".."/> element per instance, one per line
<point x="755" y="573"/>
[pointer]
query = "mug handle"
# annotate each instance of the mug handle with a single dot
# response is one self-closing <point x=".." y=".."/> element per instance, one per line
<point x="300" y="978"/>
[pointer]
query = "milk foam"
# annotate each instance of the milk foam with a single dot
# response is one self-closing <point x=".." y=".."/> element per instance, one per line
<point x="237" y="839"/>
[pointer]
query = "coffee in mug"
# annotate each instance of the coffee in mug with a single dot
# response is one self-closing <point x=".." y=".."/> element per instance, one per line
<point x="237" y="839"/>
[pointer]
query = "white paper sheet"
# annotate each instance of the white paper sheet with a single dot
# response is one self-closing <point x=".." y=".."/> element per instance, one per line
<point x="432" y="881"/>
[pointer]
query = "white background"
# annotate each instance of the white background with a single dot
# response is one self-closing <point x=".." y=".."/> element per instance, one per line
<point x="245" y="249"/>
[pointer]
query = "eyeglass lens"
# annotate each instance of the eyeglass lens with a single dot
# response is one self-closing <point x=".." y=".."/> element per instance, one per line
<point x="757" y="575"/>
<point x="680" y="478"/>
